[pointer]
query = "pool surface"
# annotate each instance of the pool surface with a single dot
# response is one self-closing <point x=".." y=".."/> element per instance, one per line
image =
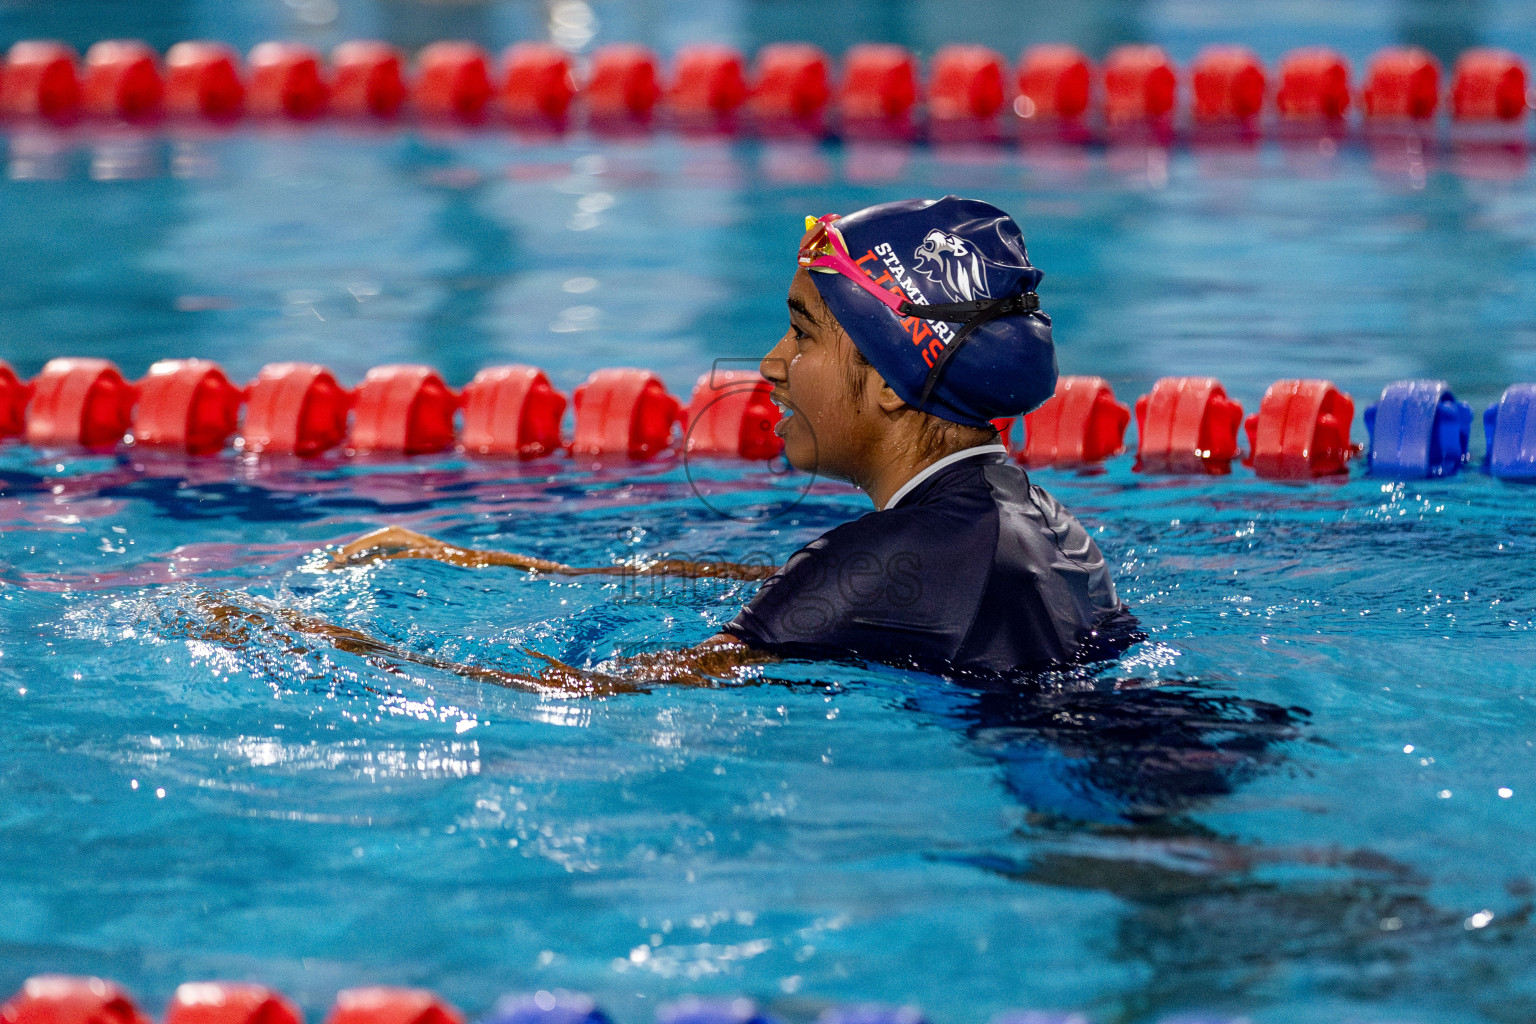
<point x="1306" y="797"/>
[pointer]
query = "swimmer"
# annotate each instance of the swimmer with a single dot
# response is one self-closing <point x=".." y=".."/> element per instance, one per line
<point x="912" y="326"/>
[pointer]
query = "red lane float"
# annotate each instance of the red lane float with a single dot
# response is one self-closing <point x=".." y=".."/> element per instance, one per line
<point x="14" y="396"/>
<point x="1301" y="431"/>
<point x="202" y="79"/>
<point x="1140" y="83"/>
<point x="295" y="409"/>
<point x="453" y="82"/>
<point x="1314" y="85"/>
<point x="186" y="404"/>
<point x="40" y="80"/>
<point x="791" y="87"/>
<point x="381" y="1005"/>
<point x="368" y="79"/>
<point x="624" y="86"/>
<point x="966" y="83"/>
<point x="709" y="83"/>
<point x="1488" y="85"/>
<point x="512" y="411"/>
<point x="1402" y="83"/>
<point x="122" y="79"/>
<point x="1229" y="84"/>
<point x="1186" y="425"/>
<point x="623" y="412"/>
<point x="537" y="83"/>
<point x="61" y="999"/>
<point x="287" y="81"/>
<point x="1055" y="81"/>
<point x="79" y="403"/>
<point x="879" y="89"/>
<point x="229" y="1002"/>
<point x="1080" y="424"/>
<point x="731" y="414"/>
<point x="402" y="408"/>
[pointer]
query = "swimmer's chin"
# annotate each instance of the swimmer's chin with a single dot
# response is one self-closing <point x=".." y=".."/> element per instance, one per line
<point x="804" y="465"/>
<point x="806" y="462"/>
<point x="802" y="455"/>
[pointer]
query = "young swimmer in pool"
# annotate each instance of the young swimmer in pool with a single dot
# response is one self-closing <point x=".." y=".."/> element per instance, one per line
<point x="912" y="325"/>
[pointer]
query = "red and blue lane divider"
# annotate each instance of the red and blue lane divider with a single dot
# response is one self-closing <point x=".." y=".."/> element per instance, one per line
<point x="61" y="999"/>
<point x="1185" y="425"/>
<point x="878" y="90"/>
<point x="1417" y="429"/>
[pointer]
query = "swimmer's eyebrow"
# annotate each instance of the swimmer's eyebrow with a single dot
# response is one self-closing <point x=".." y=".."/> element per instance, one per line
<point x="796" y="306"/>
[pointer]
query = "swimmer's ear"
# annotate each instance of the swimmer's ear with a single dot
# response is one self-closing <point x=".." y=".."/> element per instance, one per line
<point x="888" y="400"/>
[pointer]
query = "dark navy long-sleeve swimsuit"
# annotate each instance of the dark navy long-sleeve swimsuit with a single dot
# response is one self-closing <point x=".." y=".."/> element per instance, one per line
<point x="974" y="569"/>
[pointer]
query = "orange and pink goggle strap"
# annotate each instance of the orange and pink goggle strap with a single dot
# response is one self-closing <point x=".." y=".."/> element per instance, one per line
<point x="823" y="248"/>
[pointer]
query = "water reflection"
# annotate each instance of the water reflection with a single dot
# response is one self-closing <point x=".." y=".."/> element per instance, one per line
<point x="1215" y="923"/>
<point x="1125" y="751"/>
<point x="1131" y="753"/>
<point x="1111" y="773"/>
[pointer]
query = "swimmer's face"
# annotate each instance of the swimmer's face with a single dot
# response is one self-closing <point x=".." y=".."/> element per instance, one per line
<point x="832" y="420"/>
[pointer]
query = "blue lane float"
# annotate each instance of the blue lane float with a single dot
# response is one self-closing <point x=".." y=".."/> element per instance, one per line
<point x="542" y="1007"/>
<point x="693" y="1010"/>
<point x="1418" y="429"/>
<point x="872" y="1013"/>
<point x="1509" y="427"/>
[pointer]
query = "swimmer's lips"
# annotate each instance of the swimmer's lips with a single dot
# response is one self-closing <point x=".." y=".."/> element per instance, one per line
<point x="785" y="412"/>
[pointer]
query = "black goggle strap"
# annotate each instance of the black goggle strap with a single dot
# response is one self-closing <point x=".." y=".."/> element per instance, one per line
<point x="970" y="315"/>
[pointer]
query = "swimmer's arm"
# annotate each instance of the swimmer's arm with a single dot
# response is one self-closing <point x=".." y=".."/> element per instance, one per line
<point x="235" y="621"/>
<point x="718" y="659"/>
<point x="398" y="542"/>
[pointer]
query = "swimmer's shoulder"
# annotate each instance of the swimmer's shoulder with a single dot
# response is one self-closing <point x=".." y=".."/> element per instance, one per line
<point x="1014" y="492"/>
<point x="893" y="584"/>
<point x="949" y="521"/>
<point x="943" y="531"/>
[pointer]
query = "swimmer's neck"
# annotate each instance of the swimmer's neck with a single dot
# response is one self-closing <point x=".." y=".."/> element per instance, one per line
<point x="893" y="470"/>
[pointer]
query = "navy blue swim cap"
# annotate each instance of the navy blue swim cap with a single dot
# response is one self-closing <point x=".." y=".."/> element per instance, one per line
<point x="937" y="252"/>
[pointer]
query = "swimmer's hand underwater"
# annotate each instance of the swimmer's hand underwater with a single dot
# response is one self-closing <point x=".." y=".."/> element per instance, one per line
<point x="237" y="620"/>
<point x="398" y="542"/>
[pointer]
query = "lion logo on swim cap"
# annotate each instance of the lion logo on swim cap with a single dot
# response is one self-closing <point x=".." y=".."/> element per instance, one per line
<point x="948" y="261"/>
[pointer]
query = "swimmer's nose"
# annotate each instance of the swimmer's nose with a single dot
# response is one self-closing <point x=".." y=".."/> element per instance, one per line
<point x="774" y="368"/>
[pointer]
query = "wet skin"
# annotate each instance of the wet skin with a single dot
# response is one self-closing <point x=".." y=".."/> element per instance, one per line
<point x="842" y="421"/>
<point x="829" y="425"/>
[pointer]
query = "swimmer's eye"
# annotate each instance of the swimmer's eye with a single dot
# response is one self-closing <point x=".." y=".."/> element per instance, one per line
<point x="799" y="334"/>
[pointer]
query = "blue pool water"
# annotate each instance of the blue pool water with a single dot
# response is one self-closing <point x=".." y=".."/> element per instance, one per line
<point x="1307" y="797"/>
